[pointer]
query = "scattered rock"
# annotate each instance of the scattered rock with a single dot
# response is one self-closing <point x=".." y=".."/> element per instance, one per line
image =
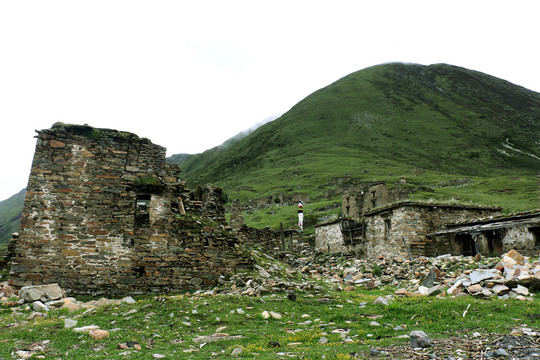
<point x="237" y="351"/>
<point x="265" y="314"/>
<point x="40" y="292"/>
<point x="516" y="256"/>
<point x="275" y="315"/>
<point x="419" y="339"/>
<point x="214" y="338"/>
<point x="483" y="274"/>
<point x="98" y="334"/>
<point x="128" y="300"/>
<point x="86" y="329"/>
<point x="500" y="289"/>
<point x="291" y="295"/>
<point x="36" y="315"/>
<point x="40" y="307"/>
<point x="431" y="278"/>
<point x="381" y="301"/>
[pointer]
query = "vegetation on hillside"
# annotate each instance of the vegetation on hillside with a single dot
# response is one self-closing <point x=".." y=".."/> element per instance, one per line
<point x="452" y="133"/>
<point x="10" y="217"/>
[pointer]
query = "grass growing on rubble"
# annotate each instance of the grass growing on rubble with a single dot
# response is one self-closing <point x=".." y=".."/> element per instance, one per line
<point x="168" y="325"/>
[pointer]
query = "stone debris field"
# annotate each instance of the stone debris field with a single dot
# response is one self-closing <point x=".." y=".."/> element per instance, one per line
<point x="511" y="276"/>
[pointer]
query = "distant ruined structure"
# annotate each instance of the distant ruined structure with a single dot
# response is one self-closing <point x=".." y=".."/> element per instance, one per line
<point x="382" y="222"/>
<point x="104" y="214"/>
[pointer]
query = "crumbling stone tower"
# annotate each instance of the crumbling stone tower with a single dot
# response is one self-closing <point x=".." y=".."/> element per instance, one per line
<point x="104" y="213"/>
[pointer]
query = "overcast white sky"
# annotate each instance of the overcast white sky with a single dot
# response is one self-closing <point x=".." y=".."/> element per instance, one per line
<point x="188" y="75"/>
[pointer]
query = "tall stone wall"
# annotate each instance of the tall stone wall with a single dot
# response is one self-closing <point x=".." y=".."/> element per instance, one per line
<point x="104" y="213"/>
<point x="328" y="238"/>
<point x="389" y="229"/>
<point x="355" y="205"/>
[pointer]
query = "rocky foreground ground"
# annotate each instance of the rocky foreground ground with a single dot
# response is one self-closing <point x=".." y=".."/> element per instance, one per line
<point x="511" y="276"/>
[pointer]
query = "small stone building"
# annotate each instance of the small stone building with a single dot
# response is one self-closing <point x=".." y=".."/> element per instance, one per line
<point x="495" y="236"/>
<point x="104" y="214"/>
<point x="402" y="229"/>
<point x="378" y="222"/>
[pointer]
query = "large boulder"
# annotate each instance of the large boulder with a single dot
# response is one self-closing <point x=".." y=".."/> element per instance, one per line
<point x="40" y="292"/>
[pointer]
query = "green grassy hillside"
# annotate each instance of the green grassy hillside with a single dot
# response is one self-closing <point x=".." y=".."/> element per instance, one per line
<point x="10" y="217"/>
<point x="453" y="133"/>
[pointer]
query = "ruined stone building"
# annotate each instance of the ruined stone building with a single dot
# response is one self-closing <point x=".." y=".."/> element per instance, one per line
<point x="379" y="222"/>
<point x="495" y="236"/>
<point x="104" y="213"/>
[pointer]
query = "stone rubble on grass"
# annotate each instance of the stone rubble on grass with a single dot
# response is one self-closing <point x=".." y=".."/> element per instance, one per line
<point x="85" y="329"/>
<point x="203" y="339"/>
<point x="445" y="275"/>
<point x="381" y="301"/>
<point x="69" y="323"/>
<point x="511" y="276"/>
<point x="419" y="339"/>
<point x="98" y="334"/>
<point x="237" y="351"/>
<point x="43" y="293"/>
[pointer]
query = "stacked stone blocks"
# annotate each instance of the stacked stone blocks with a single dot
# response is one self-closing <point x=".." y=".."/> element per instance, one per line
<point x="104" y="213"/>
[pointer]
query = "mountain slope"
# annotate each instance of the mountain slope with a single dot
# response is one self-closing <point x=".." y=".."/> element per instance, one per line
<point x="10" y="217"/>
<point x="381" y="123"/>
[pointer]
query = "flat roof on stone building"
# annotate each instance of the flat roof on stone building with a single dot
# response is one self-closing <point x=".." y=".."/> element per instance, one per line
<point x="498" y="222"/>
<point x="428" y="205"/>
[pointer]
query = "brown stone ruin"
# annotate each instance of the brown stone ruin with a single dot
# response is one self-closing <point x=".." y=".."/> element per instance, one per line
<point x="381" y="222"/>
<point x="104" y="214"/>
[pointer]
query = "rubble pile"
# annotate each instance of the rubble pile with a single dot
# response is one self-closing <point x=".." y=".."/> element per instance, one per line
<point x="43" y="298"/>
<point x="510" y="276"/>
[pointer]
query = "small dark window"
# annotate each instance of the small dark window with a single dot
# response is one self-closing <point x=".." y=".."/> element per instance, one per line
<point x="468" y="247"/>
<point x="387" y="228"/>
<point x="536" y="236"/>
<point x="142" y="210"/>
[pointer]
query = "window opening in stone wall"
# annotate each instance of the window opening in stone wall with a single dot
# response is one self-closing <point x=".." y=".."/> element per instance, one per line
<point x="387" y="228"/>
<point x="142" y="210"/>
<point x="536" y="237"/>
<point x="351" y="231"/>
<point x="494" y="242"/>
<point x="373" y="199"/>
<point x="139" y="271"/>
<point x="468" y="247"/>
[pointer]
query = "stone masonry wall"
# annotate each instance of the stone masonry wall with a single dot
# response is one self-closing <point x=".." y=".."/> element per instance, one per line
<point x="388" y="228"/>
<point x="518" y="238"/>
<point x="329" y="238"/>
<point x="104" y="214"/>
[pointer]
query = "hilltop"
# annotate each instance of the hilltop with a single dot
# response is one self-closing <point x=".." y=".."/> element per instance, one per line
<point x="450" y="133"/>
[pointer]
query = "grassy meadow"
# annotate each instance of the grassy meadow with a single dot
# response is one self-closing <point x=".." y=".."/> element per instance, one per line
<point x="172" y="325"/>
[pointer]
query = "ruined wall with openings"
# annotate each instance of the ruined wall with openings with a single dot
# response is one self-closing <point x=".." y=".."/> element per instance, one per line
<point x="519" y="238"/>
<point x="389" y="229"/>
<point x="104" y="214"/>
<point x="356" y="204"/>
<point x="497" y="236"/>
